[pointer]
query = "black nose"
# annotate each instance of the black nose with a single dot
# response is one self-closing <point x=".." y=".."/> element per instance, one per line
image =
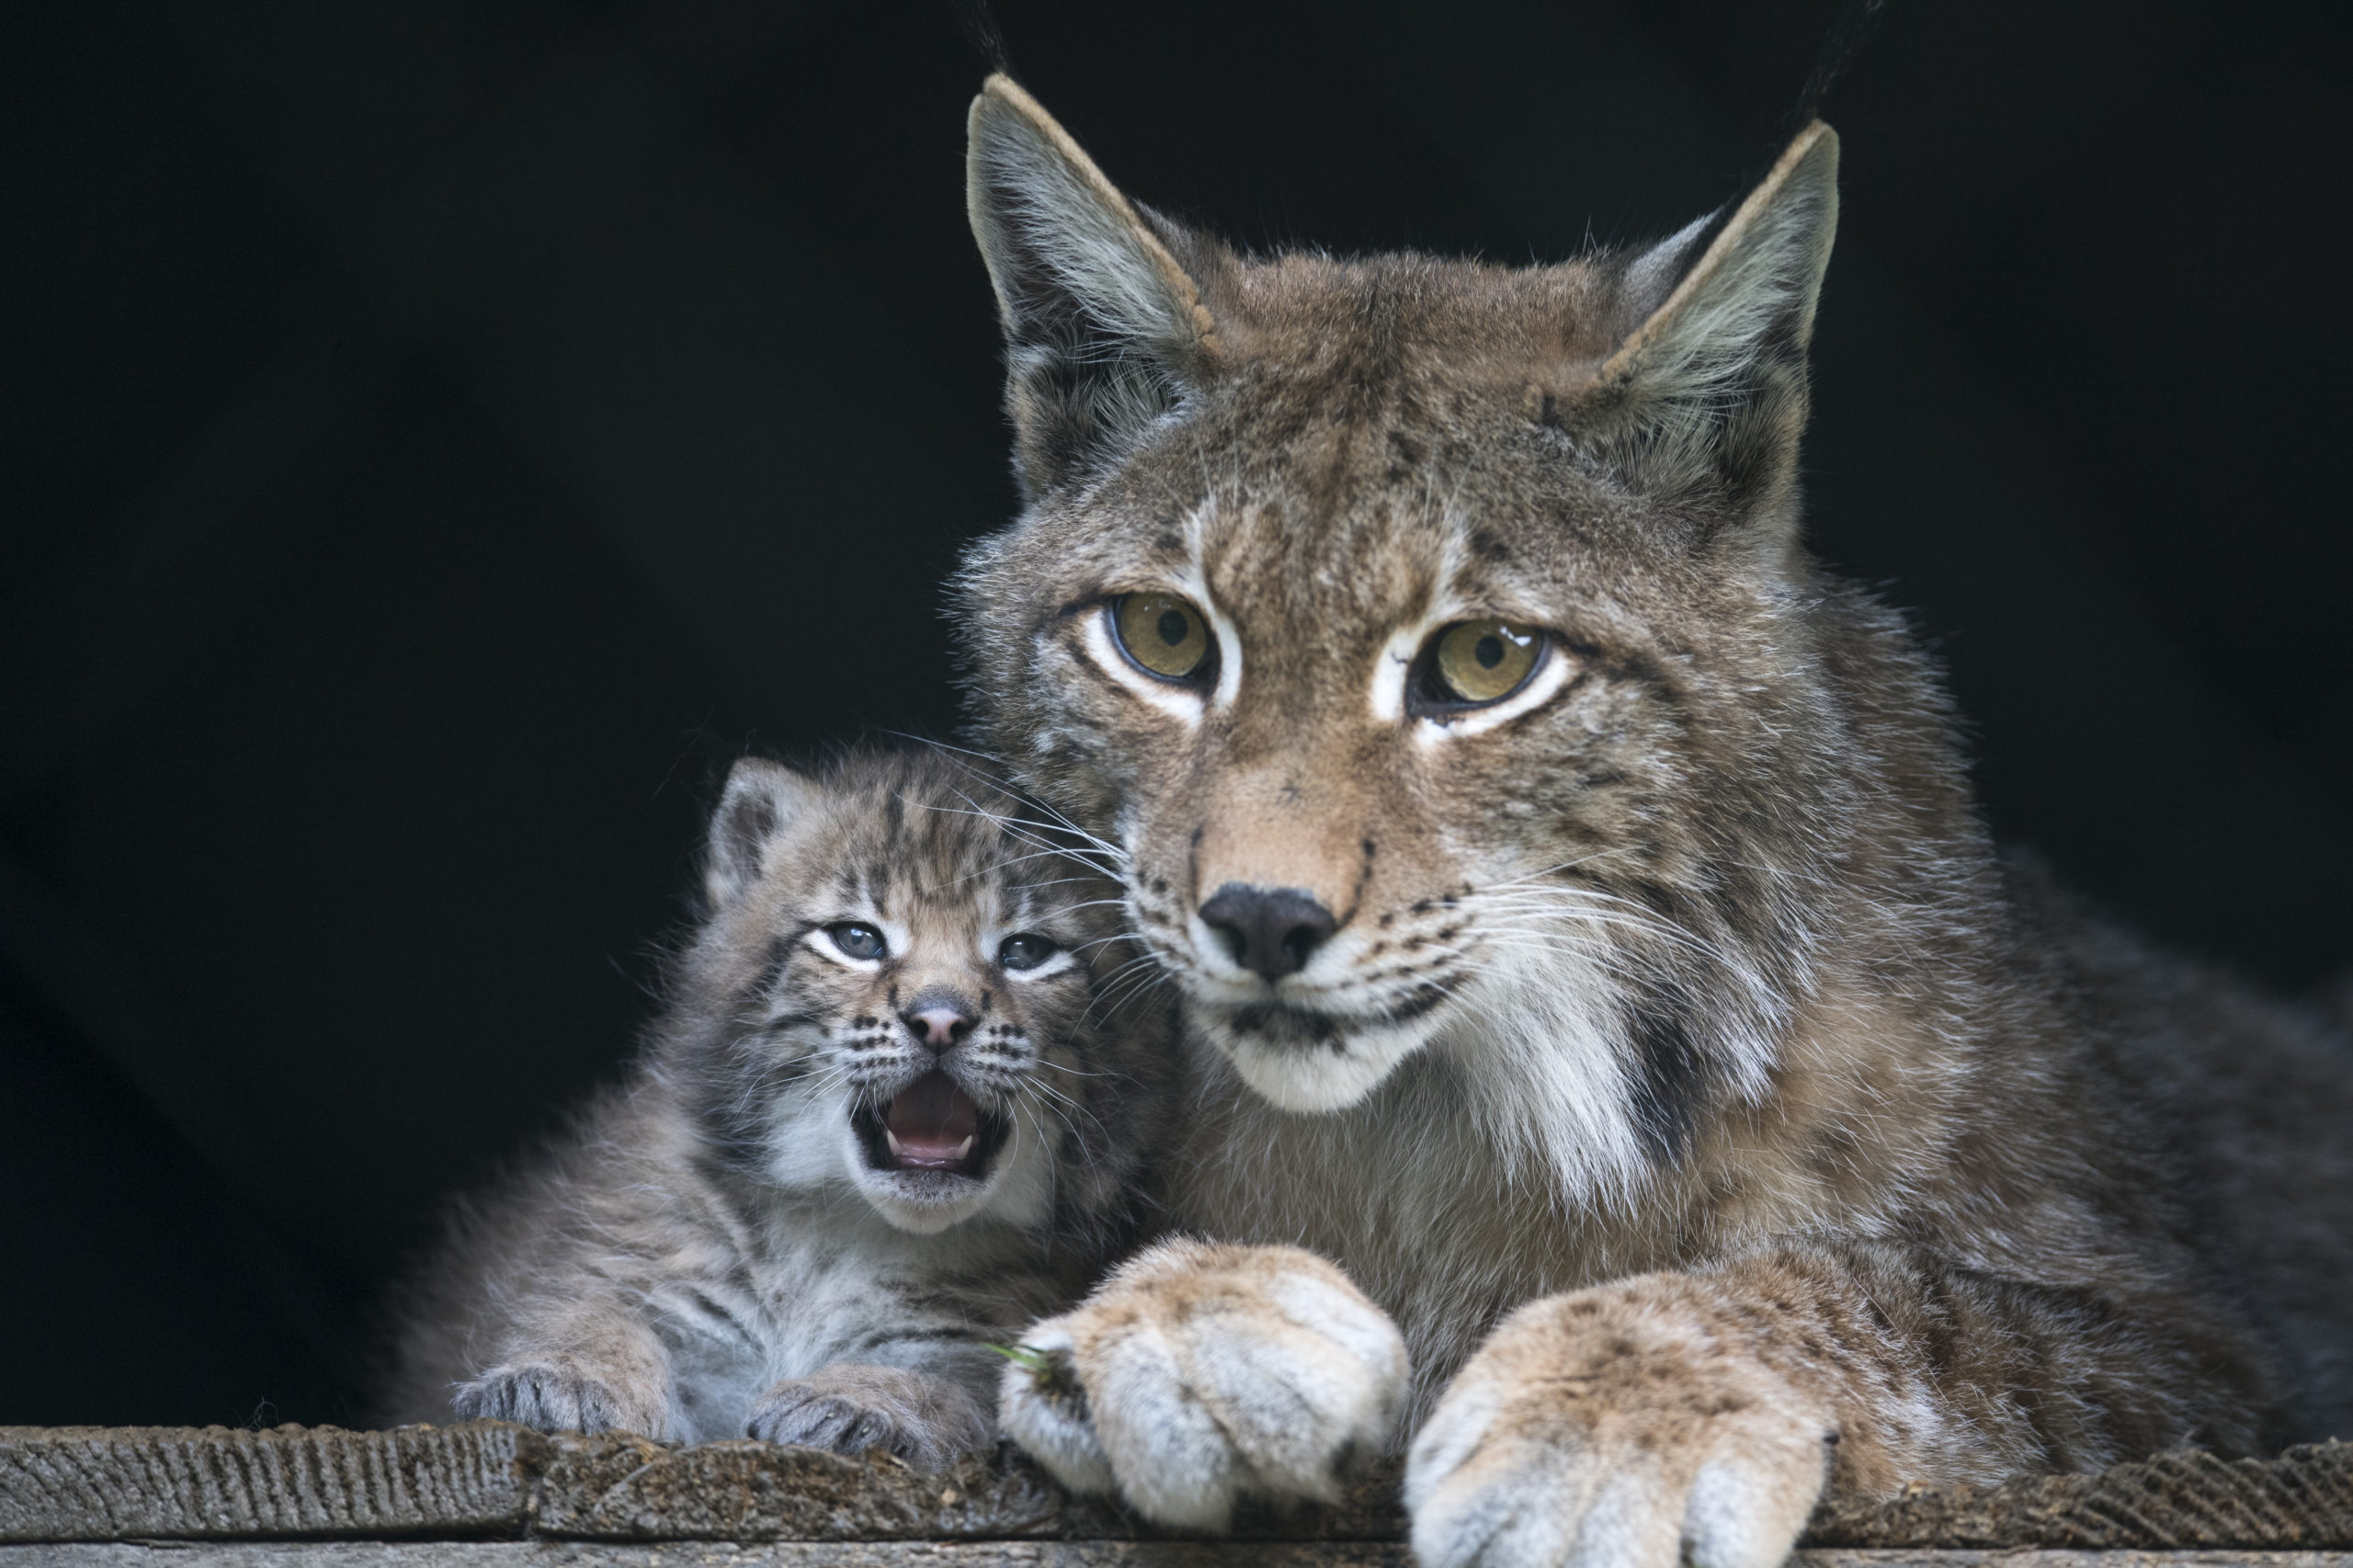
<point x="939" y="1022"/>
<point x="1271" y="930"/>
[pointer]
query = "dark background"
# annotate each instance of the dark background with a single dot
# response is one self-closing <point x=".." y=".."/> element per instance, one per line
<point x="437" y="437"/>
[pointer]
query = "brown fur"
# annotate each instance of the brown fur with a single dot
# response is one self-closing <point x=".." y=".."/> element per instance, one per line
<point x="1686" y="999"/>
<point x="719" y="1248"/>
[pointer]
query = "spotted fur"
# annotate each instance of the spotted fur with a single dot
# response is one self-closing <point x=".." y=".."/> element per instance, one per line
<point x="1716" y="1114"/>
<point x="714" y="1251"/>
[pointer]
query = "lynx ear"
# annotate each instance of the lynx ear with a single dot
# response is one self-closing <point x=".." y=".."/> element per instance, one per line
<point x="1709" y="391"/>
<point x="760" y="798"/>
<point x="1103" y="326"/>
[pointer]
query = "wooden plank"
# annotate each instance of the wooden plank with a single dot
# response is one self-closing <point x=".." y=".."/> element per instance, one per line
<point x="2184" y="1500"/>
<point x="488" y="1479"/>
<point x="990" y="1554"/>
<point x="620" y="1487"/>
<point x="97" y="1484"/>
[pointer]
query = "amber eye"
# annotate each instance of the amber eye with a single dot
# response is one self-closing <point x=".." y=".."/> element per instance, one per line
<point x="1164" y="634"/>
<point x="1484" y="660"/>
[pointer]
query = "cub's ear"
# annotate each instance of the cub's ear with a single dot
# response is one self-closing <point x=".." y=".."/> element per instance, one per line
<point x="1709" y="390"/>
<point x="1103" y="326"/>
<point x="760" y="798"/>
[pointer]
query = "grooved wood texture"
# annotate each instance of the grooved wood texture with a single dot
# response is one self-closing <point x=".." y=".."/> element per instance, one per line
<point x="618" y="1487"/>
<point x="492" y="1480"/>
<point x="2303" y="1498"/>
<point x="992" y="1554"/>
<point x="102" y="1482"/>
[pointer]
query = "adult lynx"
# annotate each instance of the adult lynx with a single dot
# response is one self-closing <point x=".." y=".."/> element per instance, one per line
<point x="1587" y="937"/>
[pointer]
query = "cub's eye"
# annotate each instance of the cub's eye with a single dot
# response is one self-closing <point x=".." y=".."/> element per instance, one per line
<point x="1162" y="634"/>
<point x="858" y="940"/>
<point x="1025" y="950"/>
<point x="1478" y="661"/>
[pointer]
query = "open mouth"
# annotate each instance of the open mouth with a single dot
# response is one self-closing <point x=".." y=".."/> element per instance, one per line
<point x="931" y="1125"/>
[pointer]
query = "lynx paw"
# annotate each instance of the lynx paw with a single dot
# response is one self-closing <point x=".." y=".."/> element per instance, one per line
<point x="561" y="1394"/>
<point x="1196" y="1374"/>
<point x="925" y="1420"/>
<point x="1608" y="1429"/>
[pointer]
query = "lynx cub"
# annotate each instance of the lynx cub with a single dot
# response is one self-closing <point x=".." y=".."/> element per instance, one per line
<point x="1587" y="938"/>
<point x="893" y="1112"/>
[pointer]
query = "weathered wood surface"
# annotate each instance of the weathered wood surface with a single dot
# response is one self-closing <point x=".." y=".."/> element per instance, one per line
<point x="625" y="1488"/>
<point x="747" y="1554"/>
<point x="492" y="1480"/>
<point x="99" y="1482"/>
<point x="2303" y="1498"/>
<point x="982" y="1554"/>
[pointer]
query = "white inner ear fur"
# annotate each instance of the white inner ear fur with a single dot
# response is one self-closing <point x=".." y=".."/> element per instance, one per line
<point x="1763" y="268"/>
<point x="735" y="863"/>
<point x="1031" y="177"/>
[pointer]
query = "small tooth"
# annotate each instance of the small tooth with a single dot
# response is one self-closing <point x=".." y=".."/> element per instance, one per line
<point x="893" y="1139"/>
<point x="965" y="1147"/>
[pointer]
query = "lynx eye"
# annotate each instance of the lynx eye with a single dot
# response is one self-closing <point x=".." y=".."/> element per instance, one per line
<point x="1478" y="661"/>
<point x="858" y="940"/>
<point x="1025" y="950"/>
<point x="1161" y="635"/>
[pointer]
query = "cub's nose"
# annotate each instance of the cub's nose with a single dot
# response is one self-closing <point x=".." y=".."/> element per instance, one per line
<point x="939" y="1022"/>
<point x="1270" y="930"/>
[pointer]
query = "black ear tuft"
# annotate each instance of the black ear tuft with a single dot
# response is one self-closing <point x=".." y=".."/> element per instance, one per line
<point x="1848" y="32"/>
<point x="978" y="20"/>
<point x="761" y="799"/>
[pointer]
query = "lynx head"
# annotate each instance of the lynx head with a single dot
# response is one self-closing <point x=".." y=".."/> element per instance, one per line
<point x="897" y="992"/>
<point x="1433" y="637"/>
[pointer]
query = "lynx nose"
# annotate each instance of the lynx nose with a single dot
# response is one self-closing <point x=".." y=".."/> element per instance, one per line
<point x="938" y="1023"/>
<point x="1270" y="930"/>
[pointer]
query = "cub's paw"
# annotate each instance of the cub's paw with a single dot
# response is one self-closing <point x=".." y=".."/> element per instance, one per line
<point x="925" y="1420"/>
<point x="1612" y="1427"/>
<point x="1196" y="1374"/>
<point x="563" y="1393"/>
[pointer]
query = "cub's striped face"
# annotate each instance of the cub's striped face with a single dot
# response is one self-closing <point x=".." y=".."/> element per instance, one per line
<point x="913" y="970"/>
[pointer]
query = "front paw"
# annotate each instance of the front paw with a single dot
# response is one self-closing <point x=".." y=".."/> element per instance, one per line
<point x="1613" y="1426"/>
<point x="565" y="1393"/>
<point x="925" y="1420"/>
<point x="1197" y="1374"/>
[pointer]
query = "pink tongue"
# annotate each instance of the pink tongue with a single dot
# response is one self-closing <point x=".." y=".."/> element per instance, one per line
<point x="931" y="1118"/>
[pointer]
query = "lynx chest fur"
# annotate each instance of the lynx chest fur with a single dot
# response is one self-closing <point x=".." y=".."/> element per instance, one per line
<point x="892" y="1113"/>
